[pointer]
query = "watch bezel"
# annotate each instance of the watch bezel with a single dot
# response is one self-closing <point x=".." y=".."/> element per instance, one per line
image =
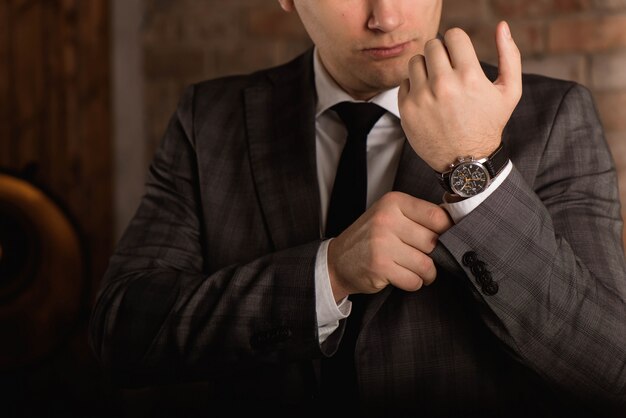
<point x="462" y="165"/>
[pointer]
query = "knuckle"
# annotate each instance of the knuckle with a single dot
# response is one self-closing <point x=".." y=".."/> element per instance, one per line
<point x="381" y="220"/>
<point x="428" y="277"/>
<point x="437" y="217"/>
<point x="470" y="77"/>
<point x="455" y="33"/>
<point x="426" y="266"/>
<point x="390" y="199"/>
<point x="432" y="242"/>
<point x="432" y="43"/>
<point x="416" y="60"/>
<point x="442" y="85"/>
<point x="377" y="285"/>
<point x="425" y="100"/>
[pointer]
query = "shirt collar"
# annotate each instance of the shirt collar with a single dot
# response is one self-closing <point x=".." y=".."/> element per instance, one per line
<point x="329" y="93"/>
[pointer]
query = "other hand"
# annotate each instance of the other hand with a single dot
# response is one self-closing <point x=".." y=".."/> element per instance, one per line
<point x="449" y="107"/>
<point x="388" y="244"/>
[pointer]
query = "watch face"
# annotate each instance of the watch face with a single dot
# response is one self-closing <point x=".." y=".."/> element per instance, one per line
<point x="469" y="179"/>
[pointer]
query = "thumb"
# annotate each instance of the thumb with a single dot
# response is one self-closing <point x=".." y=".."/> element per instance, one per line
<point x="509" y="79"/>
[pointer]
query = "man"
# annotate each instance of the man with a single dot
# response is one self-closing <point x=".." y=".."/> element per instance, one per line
<point x="494" y="288"/>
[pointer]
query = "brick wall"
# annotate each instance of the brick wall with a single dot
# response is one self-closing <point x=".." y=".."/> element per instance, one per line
<point x="190" y="40"/>
<point x="582" y="40"/>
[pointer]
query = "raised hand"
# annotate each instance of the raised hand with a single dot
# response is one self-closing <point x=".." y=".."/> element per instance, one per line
<point x="449" y="107"/>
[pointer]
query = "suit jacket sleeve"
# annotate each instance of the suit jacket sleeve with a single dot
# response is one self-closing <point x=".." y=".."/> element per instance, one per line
<point x="552" y="242"/>
<point x="164" y="312"/>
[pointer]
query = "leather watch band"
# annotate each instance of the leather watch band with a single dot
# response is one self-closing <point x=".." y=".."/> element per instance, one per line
<point x="497" y="160"/>
<point x="444" y="180"/>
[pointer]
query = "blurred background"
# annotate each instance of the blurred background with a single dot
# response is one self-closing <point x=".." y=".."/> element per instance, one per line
<point x="86" y="90"/>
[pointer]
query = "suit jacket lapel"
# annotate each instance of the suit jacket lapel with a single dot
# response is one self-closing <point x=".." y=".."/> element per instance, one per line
<point x="280" y="121"/>
<point x="416" y="178"/>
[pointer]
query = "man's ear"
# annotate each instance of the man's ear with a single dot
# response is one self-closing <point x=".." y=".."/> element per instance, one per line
<point x="287" y="5"/>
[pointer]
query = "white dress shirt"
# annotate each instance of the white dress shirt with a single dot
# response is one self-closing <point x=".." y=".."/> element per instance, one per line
<point x="384" y="147"/>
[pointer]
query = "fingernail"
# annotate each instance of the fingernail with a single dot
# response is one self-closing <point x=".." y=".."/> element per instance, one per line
<point x="507" y="30"/>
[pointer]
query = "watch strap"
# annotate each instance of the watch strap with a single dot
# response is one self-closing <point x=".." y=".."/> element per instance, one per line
<point x="444" y="180"/>
<point x="497" y="161"/>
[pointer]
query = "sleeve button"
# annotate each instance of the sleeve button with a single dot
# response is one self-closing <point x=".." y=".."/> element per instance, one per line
<point x="478" y="268"/>
<point x="469" y="258"/>
<point x="484" y="278"/>
<point x="490" y="288"/>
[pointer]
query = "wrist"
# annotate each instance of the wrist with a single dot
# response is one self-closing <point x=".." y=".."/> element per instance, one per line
<point x="339" y="290"/>
<point x="443" y="162"/>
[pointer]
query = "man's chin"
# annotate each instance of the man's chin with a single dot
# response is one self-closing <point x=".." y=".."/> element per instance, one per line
<point x="386" y="82"/>
<point x="389" y="76"/>
<point x="375" y="82"/>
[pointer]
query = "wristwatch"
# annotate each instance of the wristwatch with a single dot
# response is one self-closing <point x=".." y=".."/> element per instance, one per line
<point x="468" y="177"/>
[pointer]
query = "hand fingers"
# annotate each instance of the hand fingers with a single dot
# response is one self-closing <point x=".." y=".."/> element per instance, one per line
<point x="415" y="262"/>
<point x="417" y="71"/>
<point x="437" y="59"/>
<point x="403" y="91"/>
<point x="417" y="236"/>
<point x="509" y="63"/>
<point x="405" y="279"/>
<point x="385" y="246"/>
<point x="410" y="271"/>
<point x="422" y="212"/>
<point x="461" y="50"/>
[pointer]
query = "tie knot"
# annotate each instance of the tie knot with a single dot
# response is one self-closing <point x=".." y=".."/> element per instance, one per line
<point x="359" y="118"/>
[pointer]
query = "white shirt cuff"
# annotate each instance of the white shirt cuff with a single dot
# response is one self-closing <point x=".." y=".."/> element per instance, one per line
<point x="459" y="209"/>
<point x="328" y="312"/>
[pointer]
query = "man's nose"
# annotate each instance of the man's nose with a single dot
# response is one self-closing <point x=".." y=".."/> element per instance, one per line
<point x="386" y="15"/>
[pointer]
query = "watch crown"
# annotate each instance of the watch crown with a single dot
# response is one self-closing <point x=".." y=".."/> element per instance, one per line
<point x="460" y="160"/>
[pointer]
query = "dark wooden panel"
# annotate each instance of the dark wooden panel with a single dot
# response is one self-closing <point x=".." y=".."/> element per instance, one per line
<point x="54" y="85"/>
<point x="27" y="55"/>
<point x="55" y="121"/>
<point x="4" y="82"/>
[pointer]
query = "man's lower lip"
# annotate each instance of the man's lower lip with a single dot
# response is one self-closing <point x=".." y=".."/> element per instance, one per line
<point x="387" y="52"/>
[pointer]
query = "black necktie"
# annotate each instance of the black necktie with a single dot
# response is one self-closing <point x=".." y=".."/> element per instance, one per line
<point x="349" y="195"/>
<point x="347" y="203"/>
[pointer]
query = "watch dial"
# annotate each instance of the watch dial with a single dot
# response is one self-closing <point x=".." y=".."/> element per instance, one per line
<point x="469" y="179"/>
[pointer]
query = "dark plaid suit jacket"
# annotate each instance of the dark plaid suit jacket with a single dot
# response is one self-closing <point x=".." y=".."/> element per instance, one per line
<point x="214" y="278"/>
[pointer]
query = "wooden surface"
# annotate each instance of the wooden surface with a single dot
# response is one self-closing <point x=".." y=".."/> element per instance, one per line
<point x="55" y="130"/>
<point x="54" y="107"/>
